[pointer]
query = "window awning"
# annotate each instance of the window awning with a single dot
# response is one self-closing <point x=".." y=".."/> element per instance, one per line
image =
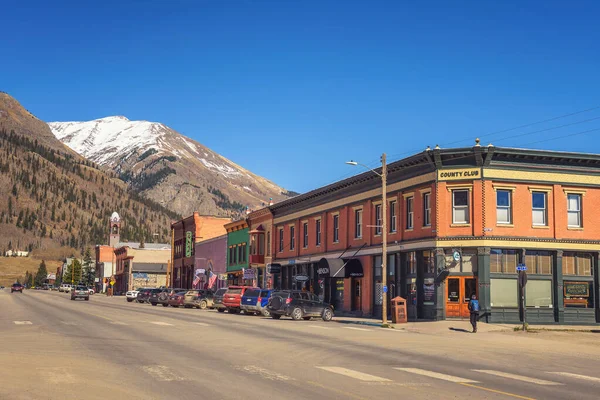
<point x="340" y="268"/>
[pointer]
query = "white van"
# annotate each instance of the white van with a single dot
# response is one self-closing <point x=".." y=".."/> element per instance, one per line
<point x="65" y="288"/>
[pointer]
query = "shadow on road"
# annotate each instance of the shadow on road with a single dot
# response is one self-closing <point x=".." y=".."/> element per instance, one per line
<point x="459" y="330"/>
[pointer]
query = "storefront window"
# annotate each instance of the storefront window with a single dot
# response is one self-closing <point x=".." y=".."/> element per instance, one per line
<point x="391" y="265"/>
<point x="539" y="262"/>
<point x="577" y="264"/>
<point x="429" y="261"/>
<point x="578" y="294"/>
<point x="377" y="260"/>
<point x="503" y="261"/>
<point x="504" y="293"/>
<point x="538" y="294"/>
<point x="469" y="262"/>
<point x="411" y="262"/>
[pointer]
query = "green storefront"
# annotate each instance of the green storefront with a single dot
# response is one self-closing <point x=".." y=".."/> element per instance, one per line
<point x="238" y="250"/>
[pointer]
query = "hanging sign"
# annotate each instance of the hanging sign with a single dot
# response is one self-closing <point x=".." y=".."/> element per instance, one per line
<point x="188" y="244"/>
<point x="301" y="278"/>
<point x="249" y="273"/>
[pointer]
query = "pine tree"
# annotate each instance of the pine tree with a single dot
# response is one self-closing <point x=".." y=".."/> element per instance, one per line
<point x="41" y="275"/>
<point x="88" y="268"/>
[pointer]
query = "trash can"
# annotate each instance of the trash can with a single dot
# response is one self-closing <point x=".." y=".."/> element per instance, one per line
<point x="399" y="310"/>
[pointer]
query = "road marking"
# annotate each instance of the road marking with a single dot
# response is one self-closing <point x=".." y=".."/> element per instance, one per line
<point x="203" y="324"/>
<point x="393" y="330"/>
<point x="117" y="323"/>
<point x="584" y="377"/>
<point x="22" y="322"/>
<point x="437" y="375"/>
<point x="68" y="323"/>
<point x="517" y="377"/>
<point x="357" y="329"/>
<point x="265" y="373"/>
<point x="161" y="323"/>
<point x="318" y="326"/>
<point x="355" y="374"/>
<point x="498" y="392"/>
<point x="161" y="373"/>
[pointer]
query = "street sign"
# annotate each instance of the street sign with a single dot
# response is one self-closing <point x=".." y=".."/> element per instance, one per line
<point x="456" y="256"/>
<point x="385" y="289"/>
<point x="521" y="267"/>
<point x="301" y="278"/>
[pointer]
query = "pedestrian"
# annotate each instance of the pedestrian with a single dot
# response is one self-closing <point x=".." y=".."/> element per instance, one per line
<point x="474" y="309"/>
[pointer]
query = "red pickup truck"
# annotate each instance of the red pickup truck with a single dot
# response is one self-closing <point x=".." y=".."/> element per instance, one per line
<point x="233" y="298"/>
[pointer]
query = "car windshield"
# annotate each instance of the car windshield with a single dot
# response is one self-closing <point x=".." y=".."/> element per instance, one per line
<point x="252" y="293"/>
<point x="220" y="292"/>
<point x="192" y="292"/>
<point x="80" y="288"/>
<point x="234" y="291"/>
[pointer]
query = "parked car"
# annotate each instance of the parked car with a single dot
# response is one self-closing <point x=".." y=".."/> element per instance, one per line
<point x="80" y="292"/>
<point x="217" y="303"/>
<point x="161" y="296"/>
<point x="62" y="287"/>
<point x="92" y="290"/>
<point x="298" y="305"/>
<point x="233" y="297"/>
<point x="255" y="300"/>
<point x="131" y="295"/>
<point x="176" y="299"/>
<point x="198" y="298"/>
<point x="143" y="295"/>
<point x="16" y="287"/>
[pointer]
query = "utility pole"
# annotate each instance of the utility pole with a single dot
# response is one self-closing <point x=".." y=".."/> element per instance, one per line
<point x="384" y="237"/>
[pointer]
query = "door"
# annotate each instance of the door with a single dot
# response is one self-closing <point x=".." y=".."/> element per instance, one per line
<point x="356" y="295"/>
<point x="459" y="290"/>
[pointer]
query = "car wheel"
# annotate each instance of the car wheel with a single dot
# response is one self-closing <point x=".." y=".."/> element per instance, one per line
<point x="165" y="305"/>
<point x="327" y="315"/>
<point x="203" y="305"/>
<point x="87" y="299"/>
<point x="154" y="304"/>
<point x="266" y="313"/>
<point x="297" y="314"/>
<point x="275" y="316"/>
<point x="220" y="309"/>
<point x="129" y="300"/>
<point x="306" y="318"/>
<point x="187" y="306"/>
<point x="175" y="306"/>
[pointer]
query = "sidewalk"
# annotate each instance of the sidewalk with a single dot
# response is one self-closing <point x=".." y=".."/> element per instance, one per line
<point x="457" y="325"/>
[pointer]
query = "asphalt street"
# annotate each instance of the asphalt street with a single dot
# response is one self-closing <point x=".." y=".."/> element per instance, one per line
<point x="55" y="348"/>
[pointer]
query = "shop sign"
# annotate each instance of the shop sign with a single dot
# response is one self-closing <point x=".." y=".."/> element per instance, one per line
<point x="200" y="271"/>
<point x="188" y="244"/>
<point x="222" y="277"/>
<point x="428" y="292"/>
<point x="273" y="268"/>
<point x="323" y="271"/>
<point x="292" y="262"/>
<point x="301" y="278"/>
<point x="459" y="174"/>
<point x="248" y="273"/>
<point x="456" y="256"/>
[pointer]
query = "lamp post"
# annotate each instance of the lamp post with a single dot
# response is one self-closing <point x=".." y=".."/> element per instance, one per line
<point x="383" y="176"/>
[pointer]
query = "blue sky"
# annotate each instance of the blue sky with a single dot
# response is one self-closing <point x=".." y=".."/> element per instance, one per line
<point x="292" y="89"/>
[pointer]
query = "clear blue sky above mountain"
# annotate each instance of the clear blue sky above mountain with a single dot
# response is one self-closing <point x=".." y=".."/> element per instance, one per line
<point x="292" y="89"/>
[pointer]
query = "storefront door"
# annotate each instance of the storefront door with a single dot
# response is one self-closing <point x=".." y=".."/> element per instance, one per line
<point x="459" y="290"/>
<point x="356" y="294"/>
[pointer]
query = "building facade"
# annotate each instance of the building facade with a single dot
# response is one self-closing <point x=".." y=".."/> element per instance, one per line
<point x="237" y="253"/>
<point x="260" y="225"/>
<point x="211" y="258"/>
<point x="459" y="222"/>
<point x="186" y="233"/>
<point x="138" y="266"/>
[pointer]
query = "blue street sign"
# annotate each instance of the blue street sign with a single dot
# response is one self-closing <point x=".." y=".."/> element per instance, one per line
<point x="521" y="267"/>
<point x="385" y="289"/>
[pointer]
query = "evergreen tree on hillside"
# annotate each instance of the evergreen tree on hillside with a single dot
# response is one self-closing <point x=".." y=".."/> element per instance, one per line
<point x="88" y="268"/>
<point x="41" y="275"/>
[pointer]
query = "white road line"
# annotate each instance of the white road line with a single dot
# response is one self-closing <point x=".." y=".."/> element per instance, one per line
<point x="203" y="324"/>
<point x="265" y="373"/>
<point x="517" y="377"/>
<point x="22" y="322"/>
<point x="576" y="376"/>
<point x="117" y="323"/>
<point x="437" y="375"/>
<point x="161" y="323"/>
<point x="161" y="373"/>
<point x="355" y="374"/>
<point x="318" y="326"/>
<point x="392" y="330"/>
<point x="356" y="329"/>
<point x="68" y="323"/>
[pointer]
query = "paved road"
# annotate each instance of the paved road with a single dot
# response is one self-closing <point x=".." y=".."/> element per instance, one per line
<point x="54" y="348"/>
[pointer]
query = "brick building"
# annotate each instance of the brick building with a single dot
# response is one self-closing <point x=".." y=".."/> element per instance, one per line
<point x="459" y="221"/>
<point x="141" y="266"/>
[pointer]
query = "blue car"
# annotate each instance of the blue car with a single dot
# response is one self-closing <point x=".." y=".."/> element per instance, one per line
<point x="255" y="300"/>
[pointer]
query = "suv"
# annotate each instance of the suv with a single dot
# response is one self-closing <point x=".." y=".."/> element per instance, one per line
<point x="63" y="288"/>
<point x="298" y="305"/>
<point x="131" y="295"/>
<point x="255" y="300"/>
<point x="143" y="295"/>
<point x="217" y="302"/>
<point x="161" y="296"/>
<point x="232" y="299"/>
<point x="80" y="292"/>
<point x="16" y="287"/>
<point x="198" y="298"/>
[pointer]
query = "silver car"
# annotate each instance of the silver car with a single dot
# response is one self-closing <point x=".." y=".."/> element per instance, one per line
<point x="80" y="292"/>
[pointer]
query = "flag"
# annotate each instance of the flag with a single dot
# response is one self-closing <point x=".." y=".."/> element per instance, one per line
<point x="196" y="280"/>
<point x="212" y="278"/>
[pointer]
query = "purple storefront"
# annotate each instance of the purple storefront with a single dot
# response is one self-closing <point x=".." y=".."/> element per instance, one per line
<point x="211" y="260"/>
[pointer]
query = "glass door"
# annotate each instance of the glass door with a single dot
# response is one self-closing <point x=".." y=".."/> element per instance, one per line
<point x="453" y="297"/>
<point x="469" y="289"/>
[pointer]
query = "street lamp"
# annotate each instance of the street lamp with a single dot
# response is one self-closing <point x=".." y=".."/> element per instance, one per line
<point x="383" y="176"/>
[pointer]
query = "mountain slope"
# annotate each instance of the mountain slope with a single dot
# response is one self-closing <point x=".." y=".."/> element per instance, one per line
<point x="54" y="198"/>
<point x="167" y="167"/>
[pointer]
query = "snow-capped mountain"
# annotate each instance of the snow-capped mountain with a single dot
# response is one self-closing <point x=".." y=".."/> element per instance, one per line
<point x="168" y="167"/>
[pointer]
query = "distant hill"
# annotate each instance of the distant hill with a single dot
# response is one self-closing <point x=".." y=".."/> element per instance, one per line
<point x="54" y="200"/>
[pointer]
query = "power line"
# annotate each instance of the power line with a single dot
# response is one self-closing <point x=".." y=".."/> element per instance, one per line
<point x="548" y="129"/>
<point x="562" y="137"/>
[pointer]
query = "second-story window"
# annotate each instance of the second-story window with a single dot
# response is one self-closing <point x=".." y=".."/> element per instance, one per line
<point x="280" y="240"/>
<point x="318" y="232"/>
<point x="357" y="224"/>
<point x="393" y="223"/>
<point x="427" y="209"/>
<point x="305" y="234"/>
<point x="268" y="243"/>
<point x="574" y="210"/>
<point x="539" y="211"/>
<point x="460" y="206"/>
<point x="292" y="237"/>
<point x="503" y="207"/>
<point x="378" y="220"/>
<point x="409" y="212"/>
<point x="336" y="228"/>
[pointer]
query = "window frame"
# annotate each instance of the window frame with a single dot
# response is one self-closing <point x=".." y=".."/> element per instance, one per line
<point x="268" y="243"/>
<point x="358" y="214"/>
<point x="467" y="220"/>
<point x="410" y="212"/>
<point x="281" y="240"/>
<point x="336" y="228"/>
<point x="544" y="209"/>
<point x="393" y="217"/>
<point x="427" y="209"/>
<point x="292" y="237"/>
<point x="318" y="232"/>
<point x="305" y="235"/>
<point x="378" y="220"/>
<point x="577" y="212"/>
<point x="508" y="207"/>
